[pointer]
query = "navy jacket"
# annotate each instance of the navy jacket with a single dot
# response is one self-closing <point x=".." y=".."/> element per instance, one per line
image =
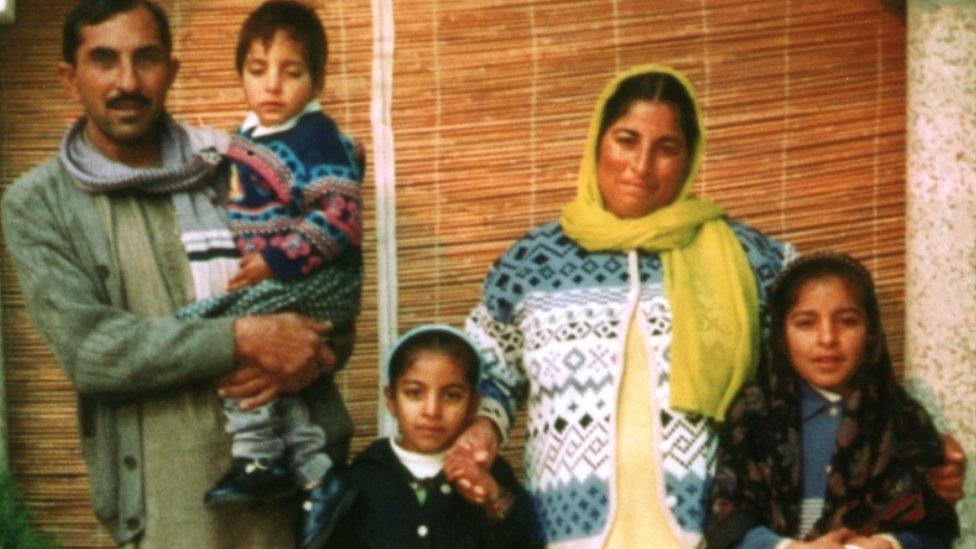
<point x="388" y="514"/>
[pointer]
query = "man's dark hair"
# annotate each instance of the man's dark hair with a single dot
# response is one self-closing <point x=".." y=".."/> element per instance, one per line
<point x="93" y="12"/>
<point x="302" y="25"/>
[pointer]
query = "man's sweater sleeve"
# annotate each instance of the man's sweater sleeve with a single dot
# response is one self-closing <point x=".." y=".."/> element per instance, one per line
<point x="104" y="350"/>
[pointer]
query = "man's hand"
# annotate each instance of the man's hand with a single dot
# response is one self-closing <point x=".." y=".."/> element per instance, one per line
<point x="253" y="269"/>
<point x="288" y="346"/>
<point x="947" y="480"/>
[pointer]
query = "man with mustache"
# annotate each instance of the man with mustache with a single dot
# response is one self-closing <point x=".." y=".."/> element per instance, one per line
<point x="100" y="236"/>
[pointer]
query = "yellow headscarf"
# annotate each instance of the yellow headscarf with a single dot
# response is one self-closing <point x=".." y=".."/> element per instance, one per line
<point x="708" y="280"/>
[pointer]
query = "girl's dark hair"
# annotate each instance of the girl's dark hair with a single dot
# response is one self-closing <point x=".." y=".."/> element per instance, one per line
<point x="785" y="293"/>
<point x="93" y="12"/>
<point x="453" y="345"/>
<point x="656" y="88"/>
<point x="299" y="21"/>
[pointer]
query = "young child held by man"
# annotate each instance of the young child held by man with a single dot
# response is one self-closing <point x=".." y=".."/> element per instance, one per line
<point x="294" y="219"/>
<point x="825" y="448"/>
<point x="404" y="499"/>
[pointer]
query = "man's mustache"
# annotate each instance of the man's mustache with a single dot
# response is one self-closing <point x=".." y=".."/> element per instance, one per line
<point x="127" y="100"/>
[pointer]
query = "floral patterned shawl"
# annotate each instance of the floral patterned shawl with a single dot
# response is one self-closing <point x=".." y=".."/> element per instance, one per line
<point x="886" y="442"/>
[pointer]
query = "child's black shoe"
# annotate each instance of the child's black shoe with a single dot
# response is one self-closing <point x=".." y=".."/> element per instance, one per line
<point x="250" y="481"/>
<point x="323" y="506"/>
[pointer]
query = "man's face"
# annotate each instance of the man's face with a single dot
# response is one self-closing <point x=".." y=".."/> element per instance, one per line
<point x="121" y="75"/>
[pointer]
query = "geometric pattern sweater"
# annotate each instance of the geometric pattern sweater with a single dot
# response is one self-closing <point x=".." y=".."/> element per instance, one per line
<point x="552" y="326"/>
<point x="298" y="203"/>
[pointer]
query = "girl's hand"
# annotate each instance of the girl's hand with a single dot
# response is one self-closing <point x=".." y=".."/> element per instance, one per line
<point x="253" y="269"/>
<point x="468" y="460"/>
<point x="947" y="480"/>
<point x="831" y="540"/>
<point x="873" y="542"/>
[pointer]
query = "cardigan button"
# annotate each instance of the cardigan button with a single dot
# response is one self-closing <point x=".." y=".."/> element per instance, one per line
<point x="445" y="488"/>
<point x="103" y="271"/>
<point x="130" y="462"/>
<point x="133" y="523"/>
<point x="422" y="530"/>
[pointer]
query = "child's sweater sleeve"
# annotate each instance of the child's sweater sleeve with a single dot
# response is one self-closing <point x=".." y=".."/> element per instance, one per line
<point x="330" y="223"/>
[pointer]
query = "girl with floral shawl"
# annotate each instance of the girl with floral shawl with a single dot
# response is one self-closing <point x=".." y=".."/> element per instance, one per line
<point x="884" y="447"/>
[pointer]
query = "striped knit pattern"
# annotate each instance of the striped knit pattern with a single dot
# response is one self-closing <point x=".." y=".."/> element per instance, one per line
<point x="331" y="293"/>
<point x="810" y="511"/>
<point x="553" y="325"/>
<point x="188" y="155"/>
<point x="213" y="260"/>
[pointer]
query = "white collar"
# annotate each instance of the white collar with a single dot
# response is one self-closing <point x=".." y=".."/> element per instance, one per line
<point x="251" y="121"/>
<point x="831" y="396"/>
<point x="420" y="465"/>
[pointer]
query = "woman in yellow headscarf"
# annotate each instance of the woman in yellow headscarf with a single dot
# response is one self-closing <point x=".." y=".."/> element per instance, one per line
<point x="627" y="327"/>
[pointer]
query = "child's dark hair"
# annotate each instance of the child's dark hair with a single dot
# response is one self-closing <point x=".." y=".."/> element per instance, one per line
<point x="434" y="338"/>
<point x="299" y="21"/>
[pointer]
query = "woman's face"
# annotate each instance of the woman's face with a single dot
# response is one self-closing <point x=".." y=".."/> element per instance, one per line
<point x="826" y="333"/>
<point x="643" y="160"/>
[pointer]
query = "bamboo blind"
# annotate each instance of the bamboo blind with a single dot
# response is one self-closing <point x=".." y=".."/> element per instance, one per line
<point x="804" y="106"/>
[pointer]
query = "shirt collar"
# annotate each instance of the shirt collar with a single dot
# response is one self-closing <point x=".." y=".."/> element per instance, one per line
<point x="420" y="465"/>
<point x="252" y="122"/>
<point x="814" y="400"/>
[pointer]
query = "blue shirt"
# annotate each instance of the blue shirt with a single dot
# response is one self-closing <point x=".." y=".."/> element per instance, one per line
<point x="820" y="416"/>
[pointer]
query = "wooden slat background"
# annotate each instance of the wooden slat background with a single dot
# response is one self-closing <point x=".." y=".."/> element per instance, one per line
<point x="804" y="105"/>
